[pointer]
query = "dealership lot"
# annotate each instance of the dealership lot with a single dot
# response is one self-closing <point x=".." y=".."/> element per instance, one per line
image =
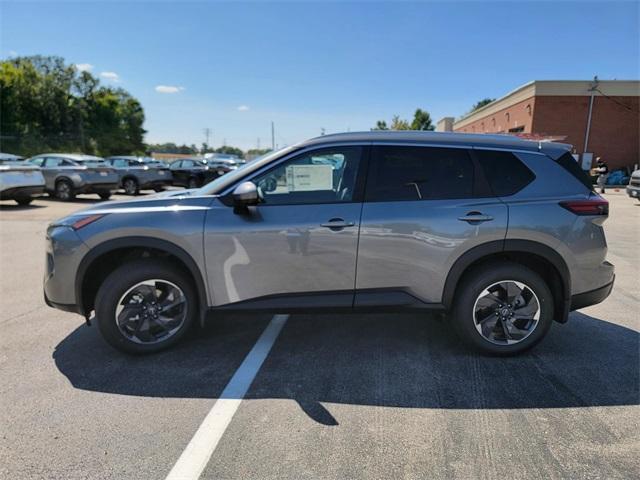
<point x="338" y="396"/>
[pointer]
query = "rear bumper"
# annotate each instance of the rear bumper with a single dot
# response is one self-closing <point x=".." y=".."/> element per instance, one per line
<point x="633" y="191"/>
<point x="591" y="297"/>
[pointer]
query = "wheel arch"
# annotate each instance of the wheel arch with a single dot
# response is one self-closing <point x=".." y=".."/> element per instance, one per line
<point x="107" y="256"/>
<point x="538" y="257"/>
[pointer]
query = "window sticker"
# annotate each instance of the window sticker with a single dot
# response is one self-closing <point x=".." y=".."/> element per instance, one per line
<point x="305" y="178"/>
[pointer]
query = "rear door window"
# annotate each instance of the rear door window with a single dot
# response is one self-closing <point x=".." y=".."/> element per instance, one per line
<point x="505" y="173"/>
<point x="406" y="173"/>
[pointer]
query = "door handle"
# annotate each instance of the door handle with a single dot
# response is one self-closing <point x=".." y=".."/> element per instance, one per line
<point x="475" y="217"/>
<point x="337" y="223"/>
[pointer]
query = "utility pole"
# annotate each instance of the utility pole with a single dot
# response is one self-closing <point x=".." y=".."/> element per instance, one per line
<point x="273" y="137"/>
<point x="207" y="134"/>
<point x="594" y="87"/>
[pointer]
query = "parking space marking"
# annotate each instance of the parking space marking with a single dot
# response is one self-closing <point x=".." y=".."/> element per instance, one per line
<point x="196" y="455"/>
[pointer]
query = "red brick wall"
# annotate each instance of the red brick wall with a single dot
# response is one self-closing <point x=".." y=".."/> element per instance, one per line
<point x="519" y="115"/>
<point x="615" y="130"/>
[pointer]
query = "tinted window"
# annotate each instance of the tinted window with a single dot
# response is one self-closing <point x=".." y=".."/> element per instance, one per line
<point x="175" y="165"/>
<point x="57" y="162"/>
<point x="120" y="163"/>
<point x="187" y="164"/>
<point x="322" y="176"/>
<point x="569" y="163"/>
<point x="419" y="173"/>
<point x="505" y="173"/>
<point x="37" y="161"/>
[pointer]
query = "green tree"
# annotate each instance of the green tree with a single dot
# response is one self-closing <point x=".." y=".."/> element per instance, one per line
<point x="230" y="151"/>
<point x="46" y="105"/>
<point x="421" y="120"/>
<point x="381" y="125"/>
<point x="481" y="103"/>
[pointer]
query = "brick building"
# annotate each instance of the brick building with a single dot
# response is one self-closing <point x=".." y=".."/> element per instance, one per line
<point x="559" y="110"/>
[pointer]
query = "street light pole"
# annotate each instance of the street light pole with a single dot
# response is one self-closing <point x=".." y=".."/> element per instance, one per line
<point x="594" y="87"/>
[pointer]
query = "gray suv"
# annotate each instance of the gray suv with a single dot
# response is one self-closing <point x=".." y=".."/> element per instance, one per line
<point x="69" y="174"/>
<point x="503" y="234"/>
<point x="140" y="173"/>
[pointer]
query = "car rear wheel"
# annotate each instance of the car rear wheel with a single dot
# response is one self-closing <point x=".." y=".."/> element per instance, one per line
<point x="130" y="186"/>
<point x="145" y="306"/>
<point x="105" y="195"/>
<point x="24" y="200"/>
<point x="503" y="309"/>
<point x="64" y="190"/>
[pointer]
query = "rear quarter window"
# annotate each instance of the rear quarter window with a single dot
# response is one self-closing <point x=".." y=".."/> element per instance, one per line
<point x="569" y="163"/>
<point x="504" y="171"/>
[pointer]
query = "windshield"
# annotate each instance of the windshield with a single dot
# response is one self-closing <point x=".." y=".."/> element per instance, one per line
<point x="220" y="183"/>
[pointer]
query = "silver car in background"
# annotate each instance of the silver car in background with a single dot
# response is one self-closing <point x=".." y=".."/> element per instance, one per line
<point x="140" y="173"/>
<point x="69" y="174"/>
<point x="20" y="181"/>
<point x="633" y="189"/>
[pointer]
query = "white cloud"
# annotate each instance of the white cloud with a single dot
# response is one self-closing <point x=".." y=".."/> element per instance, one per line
<point x="243" y="108"/>
<point x="168" y="89"/>
<point x="84" y="67"/>
<point x="112" y="76"/>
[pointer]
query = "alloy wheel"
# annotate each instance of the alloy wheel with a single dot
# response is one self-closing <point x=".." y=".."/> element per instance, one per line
<point x="151" y="311"/>
<point x="506" y="312"/>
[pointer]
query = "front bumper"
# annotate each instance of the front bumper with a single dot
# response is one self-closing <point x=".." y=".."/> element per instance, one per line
<point x="592" y="297"/>
<point x="633" y="191"/>
<point x="21" y="192"/>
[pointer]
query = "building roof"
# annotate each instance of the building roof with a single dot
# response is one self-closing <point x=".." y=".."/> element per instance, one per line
<point x="611" y="88"/>
<point x="439" y="138"/>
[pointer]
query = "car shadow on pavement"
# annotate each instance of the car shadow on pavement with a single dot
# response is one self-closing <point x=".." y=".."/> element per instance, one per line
<point x="14" y="207"/>
<point x="381" y="360"/>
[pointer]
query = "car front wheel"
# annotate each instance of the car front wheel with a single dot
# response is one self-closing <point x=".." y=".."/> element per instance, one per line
<point x="130" y="186"/>
<point x="502" y="309"/>
<point x="145" y="306"/>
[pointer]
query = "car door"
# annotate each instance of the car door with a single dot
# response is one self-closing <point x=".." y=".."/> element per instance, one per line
<point x="51" y="171"/>
<point x="298" y="246"/>
<point x="424" y="207"/>
<point x="178" y="174"/>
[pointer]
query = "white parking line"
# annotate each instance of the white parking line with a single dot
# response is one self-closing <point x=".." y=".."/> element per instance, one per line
<point x="195" y="457"/>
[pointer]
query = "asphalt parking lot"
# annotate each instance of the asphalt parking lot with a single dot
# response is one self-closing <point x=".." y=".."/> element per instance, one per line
<point x="338" y="396"/>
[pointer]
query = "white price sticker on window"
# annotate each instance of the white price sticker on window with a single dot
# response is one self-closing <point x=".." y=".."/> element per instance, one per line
<point x="304" y="178"/>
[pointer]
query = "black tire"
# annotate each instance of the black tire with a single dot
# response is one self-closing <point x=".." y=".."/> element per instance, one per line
<point x="479" y="279"/>
<point x="106" y="195"/>
<point x="127" y="276"/>
<point x="193" y="183"/>
<point x="64" y="191"/>
<point x="24" y="200"/>
<point x="130" y="186"/>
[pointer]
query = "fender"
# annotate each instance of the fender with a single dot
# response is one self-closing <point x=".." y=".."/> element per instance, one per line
<point x="138" y="242"/>
<point x="514" y="246"/>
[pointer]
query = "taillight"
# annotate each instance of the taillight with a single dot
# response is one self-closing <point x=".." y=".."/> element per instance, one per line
<point x="592" y="206"/>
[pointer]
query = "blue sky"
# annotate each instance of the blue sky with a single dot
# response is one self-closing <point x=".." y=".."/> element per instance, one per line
<point x="235" y="67"/>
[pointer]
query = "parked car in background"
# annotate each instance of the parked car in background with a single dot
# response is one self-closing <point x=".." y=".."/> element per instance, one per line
<point x="19" y="181"/>
<point x="192" y="173"/>
<point x="69" y="174"/>
<point x="138" y="173"/>
<point x="222" y="162"/>
<point x="10" y="157"/>
<point x="503" y="234"/>
<point x="633" y="189"/>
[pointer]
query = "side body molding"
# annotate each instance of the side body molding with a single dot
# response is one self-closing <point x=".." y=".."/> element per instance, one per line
<point x="515" y="247"/>
<point x="138" y="242"/>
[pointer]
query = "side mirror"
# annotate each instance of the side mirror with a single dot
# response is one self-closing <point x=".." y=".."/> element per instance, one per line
<point x="245" y="194"/>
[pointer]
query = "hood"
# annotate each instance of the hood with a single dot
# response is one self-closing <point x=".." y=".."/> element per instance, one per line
<point x="171" y="201"/>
